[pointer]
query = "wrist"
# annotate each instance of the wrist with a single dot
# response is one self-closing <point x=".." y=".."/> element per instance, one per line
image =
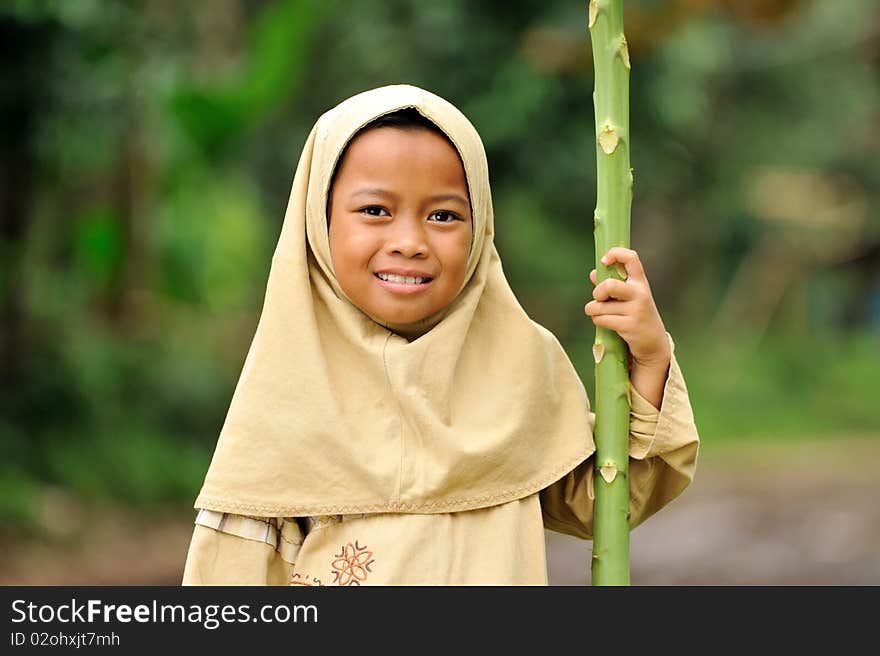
<point x="652" y="365"/>
<point x="650" y="382"/>
<point x="648" y="377"/>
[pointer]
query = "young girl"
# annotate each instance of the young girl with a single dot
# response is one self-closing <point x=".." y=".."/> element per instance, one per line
<point x="399" y="418"/>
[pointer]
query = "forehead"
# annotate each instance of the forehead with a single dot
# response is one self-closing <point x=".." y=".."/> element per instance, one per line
<point x="402" y="154"/>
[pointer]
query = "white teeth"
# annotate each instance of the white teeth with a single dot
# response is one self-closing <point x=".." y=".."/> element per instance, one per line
<point x="405" y="279"/>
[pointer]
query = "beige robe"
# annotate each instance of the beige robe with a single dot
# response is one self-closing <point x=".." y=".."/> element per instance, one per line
<point x="497" y="545"/>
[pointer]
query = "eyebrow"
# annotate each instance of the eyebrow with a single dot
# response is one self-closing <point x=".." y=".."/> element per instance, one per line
<point x="375" y="191"/>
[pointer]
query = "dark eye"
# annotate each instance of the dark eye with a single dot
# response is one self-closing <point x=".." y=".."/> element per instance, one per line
<point x="375" y="210"/>
<point x="446" y="217"/>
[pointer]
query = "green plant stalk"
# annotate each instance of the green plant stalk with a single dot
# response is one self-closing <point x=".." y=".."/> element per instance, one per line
<point x="611" y="227"/>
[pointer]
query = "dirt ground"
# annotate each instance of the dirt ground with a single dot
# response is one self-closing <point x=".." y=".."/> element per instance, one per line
<point x="777" y="515"/>
<point x="805" y="514"/>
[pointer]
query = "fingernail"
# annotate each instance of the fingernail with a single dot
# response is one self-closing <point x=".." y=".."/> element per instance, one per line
<point x="604" y="260"/>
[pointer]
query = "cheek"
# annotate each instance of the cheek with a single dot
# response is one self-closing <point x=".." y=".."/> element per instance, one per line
<point x="458" y="253"/>
<point x="340" y="253"/>
<point x="350" y="251"/>
<point x="336" y="249"/>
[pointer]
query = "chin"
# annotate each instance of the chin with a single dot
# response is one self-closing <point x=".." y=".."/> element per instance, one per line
<point x="402" y="315"/>
<point x="403" y="319"/>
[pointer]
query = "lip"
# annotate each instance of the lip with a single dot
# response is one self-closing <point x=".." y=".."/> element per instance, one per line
<point x="402" y="288"/>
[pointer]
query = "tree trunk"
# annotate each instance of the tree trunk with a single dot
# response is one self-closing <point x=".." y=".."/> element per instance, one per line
<point x="611" y="227"/>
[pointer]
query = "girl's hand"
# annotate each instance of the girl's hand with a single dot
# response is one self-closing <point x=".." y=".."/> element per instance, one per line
<point x="627" y="307"/>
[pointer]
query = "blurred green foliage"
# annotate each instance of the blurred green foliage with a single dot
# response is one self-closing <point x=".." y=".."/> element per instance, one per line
<point x="148" y="150"/>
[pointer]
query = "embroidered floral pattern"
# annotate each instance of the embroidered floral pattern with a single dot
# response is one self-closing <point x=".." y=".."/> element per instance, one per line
<point x="352" y="564"/>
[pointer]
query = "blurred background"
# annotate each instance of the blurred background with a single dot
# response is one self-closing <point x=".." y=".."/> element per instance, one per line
<point x="147" y="153"/>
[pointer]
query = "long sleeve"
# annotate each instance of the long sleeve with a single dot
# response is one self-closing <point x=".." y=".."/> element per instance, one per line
<point x="231" y="549"/>
<point x="662" y="459"/>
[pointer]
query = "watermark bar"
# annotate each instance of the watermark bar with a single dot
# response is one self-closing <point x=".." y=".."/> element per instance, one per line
<point x="290" y="619"/>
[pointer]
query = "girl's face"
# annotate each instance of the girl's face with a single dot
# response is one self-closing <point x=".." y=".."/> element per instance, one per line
<point x="399" y="208"/>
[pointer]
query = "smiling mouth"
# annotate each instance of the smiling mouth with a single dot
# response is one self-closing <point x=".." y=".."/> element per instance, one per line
<point x="403" y="280"/>
<point x="404" y="289"/>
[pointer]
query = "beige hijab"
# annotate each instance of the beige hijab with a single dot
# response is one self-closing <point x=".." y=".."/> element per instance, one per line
<point x="337" y="413"/>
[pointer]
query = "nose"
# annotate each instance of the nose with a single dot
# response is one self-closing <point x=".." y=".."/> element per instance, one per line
<point x="407" y="237"/>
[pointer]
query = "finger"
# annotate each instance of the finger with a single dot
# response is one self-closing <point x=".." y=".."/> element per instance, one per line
<point x="628" y="258"/>
<point x="593" y="276"/>
<point x="612" y="288"/>
<point x="612" y="308"/>
<point x="611" y="322"/>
